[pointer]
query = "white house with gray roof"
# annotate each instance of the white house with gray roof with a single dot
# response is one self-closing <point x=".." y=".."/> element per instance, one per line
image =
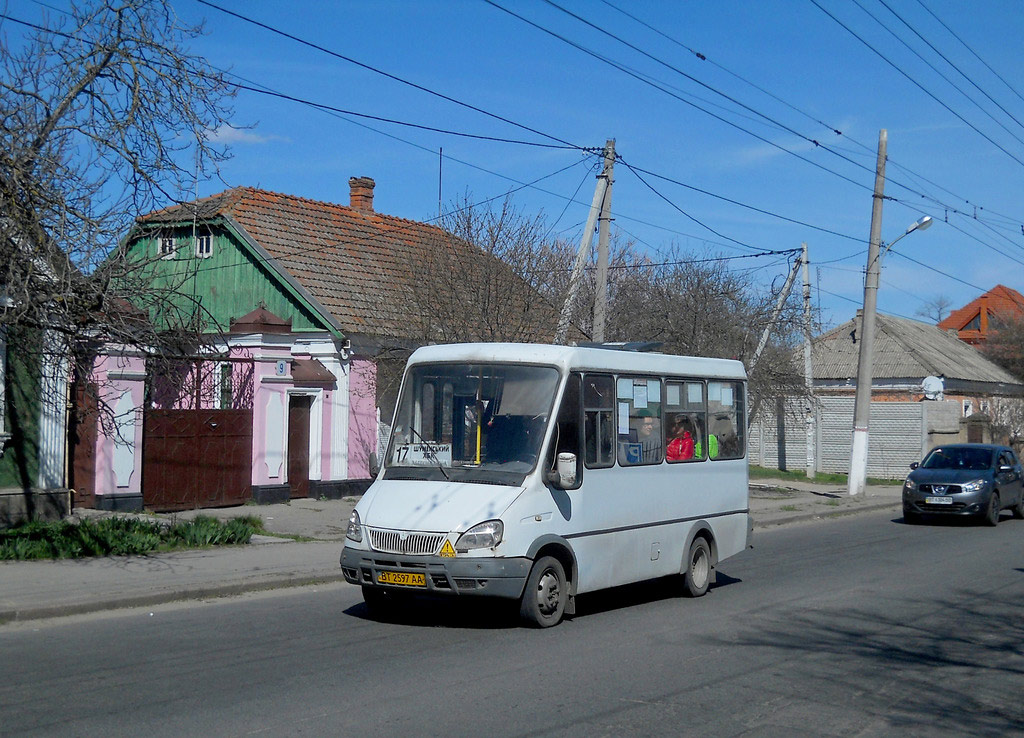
<point x="928" y="387"/>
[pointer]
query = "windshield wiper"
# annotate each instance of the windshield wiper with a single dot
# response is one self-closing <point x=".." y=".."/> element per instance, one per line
<point x="429" y="453"/>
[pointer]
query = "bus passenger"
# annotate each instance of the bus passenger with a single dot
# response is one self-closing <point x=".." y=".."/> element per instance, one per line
<point x="681" y="447"/>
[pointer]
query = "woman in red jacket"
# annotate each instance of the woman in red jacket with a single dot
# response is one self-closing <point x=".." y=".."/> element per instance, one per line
<point x="680" y="448"/>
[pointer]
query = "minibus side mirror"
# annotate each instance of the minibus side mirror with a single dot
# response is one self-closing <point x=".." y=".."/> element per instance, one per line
<point x="564" y="473"/>
<point x="374" y="466"/>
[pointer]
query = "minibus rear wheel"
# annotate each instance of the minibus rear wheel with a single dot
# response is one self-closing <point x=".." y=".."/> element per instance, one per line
<point x="544" y="597"/>
<point x="697" y="575"/>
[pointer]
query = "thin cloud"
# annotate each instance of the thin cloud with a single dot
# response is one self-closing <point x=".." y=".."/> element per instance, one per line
<point x="229" y="135"/>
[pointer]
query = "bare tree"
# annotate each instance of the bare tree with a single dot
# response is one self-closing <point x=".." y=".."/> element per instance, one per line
<point x="695" y="305"/>
<point x="935" y="310"/>
<point x="485" y="277"/>
<point x="495" y="277"/>
<point x="105" y="115"/>
<point x="1005" y="343"/>
<point x="1008" y="418"/>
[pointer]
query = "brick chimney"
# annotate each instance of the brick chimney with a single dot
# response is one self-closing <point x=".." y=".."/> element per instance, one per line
<point x="361" y="193"/>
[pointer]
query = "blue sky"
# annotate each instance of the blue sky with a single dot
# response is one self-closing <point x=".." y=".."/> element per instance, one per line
<point x="753" y="147"/>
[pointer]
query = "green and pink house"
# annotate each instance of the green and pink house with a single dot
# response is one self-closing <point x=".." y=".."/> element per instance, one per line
<point x="300" y="301"/>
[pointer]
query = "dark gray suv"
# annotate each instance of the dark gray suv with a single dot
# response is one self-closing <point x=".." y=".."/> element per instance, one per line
<point x="970" y="479"/>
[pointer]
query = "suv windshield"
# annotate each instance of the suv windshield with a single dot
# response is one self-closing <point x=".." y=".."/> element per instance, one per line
<point x="972" y="459"/>
<point x="471" y="422"/>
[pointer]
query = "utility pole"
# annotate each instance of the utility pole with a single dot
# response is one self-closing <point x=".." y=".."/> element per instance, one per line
<point x="862" y="402"/>
<point x="775" y="314"/>
<point x="603" y="235"/>
<point x="603" y="183"/>
<point x="808" y="372"/>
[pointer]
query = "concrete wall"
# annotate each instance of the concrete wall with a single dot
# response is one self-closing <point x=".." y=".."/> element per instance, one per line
<point x="900" y="433"/>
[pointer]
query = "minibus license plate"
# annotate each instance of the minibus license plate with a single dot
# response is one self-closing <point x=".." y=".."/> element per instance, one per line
<point x="940" y="500"/>
<point x="407" y="579"/>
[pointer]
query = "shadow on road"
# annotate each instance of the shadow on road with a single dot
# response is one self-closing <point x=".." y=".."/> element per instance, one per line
<point x="957" y="666"/>
<point x="480" y="614"/>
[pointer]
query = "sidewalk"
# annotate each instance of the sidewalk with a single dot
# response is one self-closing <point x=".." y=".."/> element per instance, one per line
<point x="32" y="590"/>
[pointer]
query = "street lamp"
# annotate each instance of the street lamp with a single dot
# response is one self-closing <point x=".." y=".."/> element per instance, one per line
<point x="862" y="399"/>
<point x="921" y="224"/>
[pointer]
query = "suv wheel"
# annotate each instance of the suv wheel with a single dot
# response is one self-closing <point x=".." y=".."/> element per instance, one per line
<point x="994" y="508"/>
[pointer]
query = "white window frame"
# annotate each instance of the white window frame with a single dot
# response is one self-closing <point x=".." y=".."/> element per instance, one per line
<point x="968" y="406"/>
<point x="204" y="247"/>
<point x="166" y="246"/>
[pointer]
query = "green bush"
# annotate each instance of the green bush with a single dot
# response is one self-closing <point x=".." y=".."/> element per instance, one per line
<point x="120" y="536"/>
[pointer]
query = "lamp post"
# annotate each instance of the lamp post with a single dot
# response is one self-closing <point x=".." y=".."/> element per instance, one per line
<point x="921" y="224"/>
<point x="862" y="401"/>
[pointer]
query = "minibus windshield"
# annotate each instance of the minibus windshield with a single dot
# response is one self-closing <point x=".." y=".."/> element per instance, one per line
<point x="471" y="422"/>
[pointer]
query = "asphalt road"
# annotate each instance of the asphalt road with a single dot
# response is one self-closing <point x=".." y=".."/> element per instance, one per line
<point x="855" y="626"/>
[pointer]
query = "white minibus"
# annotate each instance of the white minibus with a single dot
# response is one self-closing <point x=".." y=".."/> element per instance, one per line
<point x="540" y="472"/>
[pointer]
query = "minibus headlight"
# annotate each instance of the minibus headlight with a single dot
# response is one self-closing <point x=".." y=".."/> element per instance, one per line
<point x="483" y="535"/>
<point x="355" y="529"/>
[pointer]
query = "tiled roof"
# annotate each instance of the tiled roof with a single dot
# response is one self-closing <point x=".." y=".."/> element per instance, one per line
<point x="1000" y="300"/>
<point x="903" y="349"/>
<point x="359" y="264"/>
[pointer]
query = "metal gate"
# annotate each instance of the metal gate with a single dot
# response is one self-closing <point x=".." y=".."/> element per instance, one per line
<point x="196" y="458"/>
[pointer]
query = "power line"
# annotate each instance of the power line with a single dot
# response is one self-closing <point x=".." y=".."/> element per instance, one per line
<point x="913" y="81"/>
<point x="934" y="68"/>
<point x="966" y="46"/>
<point x="390" y="76"/>
<point x="937" y="271"/>
<point x="686" y="214"/>
<point x="954" y="66"/>
<point x="446" y="131"/>
<point x="658" y="87"/>
<point x="738" y="203"/>
<point x="706" y="86"/>
<point x="831" y="128"/>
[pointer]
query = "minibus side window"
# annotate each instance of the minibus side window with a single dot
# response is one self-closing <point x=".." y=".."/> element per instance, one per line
<point x="566" y="437"/>
<point x="599" y="420"/>
<point x="685" y="421"/>
<point x="726" y="420"/>
<point x="638" y="420"/>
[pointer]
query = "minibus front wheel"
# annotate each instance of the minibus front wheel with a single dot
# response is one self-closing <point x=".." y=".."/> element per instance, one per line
<point x="546" y="593"/>
<point x="383" y="604"/>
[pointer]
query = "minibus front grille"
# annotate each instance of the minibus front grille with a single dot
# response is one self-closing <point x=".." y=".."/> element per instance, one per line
<point x="405" y="543"/>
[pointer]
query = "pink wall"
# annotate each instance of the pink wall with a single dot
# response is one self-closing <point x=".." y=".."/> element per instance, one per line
<point x="362" y="419"/>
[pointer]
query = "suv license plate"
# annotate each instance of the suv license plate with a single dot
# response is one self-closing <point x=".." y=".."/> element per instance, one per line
<point x="939" y="500"/>
<point x="403" y="578"/>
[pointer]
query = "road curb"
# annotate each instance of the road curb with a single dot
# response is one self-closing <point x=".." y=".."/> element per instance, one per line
<point x="821" y="515"/>
<point x="46" y="612"/>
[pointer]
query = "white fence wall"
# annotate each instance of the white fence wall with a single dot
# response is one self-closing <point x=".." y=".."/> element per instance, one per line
<point x="898" y="435"/>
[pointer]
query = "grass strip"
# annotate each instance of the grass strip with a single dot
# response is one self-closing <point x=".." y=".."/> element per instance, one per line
<point x="120" y="536"/>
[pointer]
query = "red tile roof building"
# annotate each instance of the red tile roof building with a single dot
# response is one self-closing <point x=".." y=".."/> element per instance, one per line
<point x="977" y="319"/>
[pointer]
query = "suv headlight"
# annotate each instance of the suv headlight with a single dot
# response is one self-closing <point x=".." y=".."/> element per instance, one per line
<point x="482" y="535"/>
<point x="355" y="529"/>
<point x="974" y="486"/>
<point x="910" y="485"/>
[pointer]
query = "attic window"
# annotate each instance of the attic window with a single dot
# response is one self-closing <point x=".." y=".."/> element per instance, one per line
<point x="167" y="247"/>
<point x="974" y="325"/>
<point x="204" y="247"/>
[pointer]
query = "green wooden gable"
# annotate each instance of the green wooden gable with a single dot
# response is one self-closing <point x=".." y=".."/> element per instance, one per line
<point x="221" y="275"/>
